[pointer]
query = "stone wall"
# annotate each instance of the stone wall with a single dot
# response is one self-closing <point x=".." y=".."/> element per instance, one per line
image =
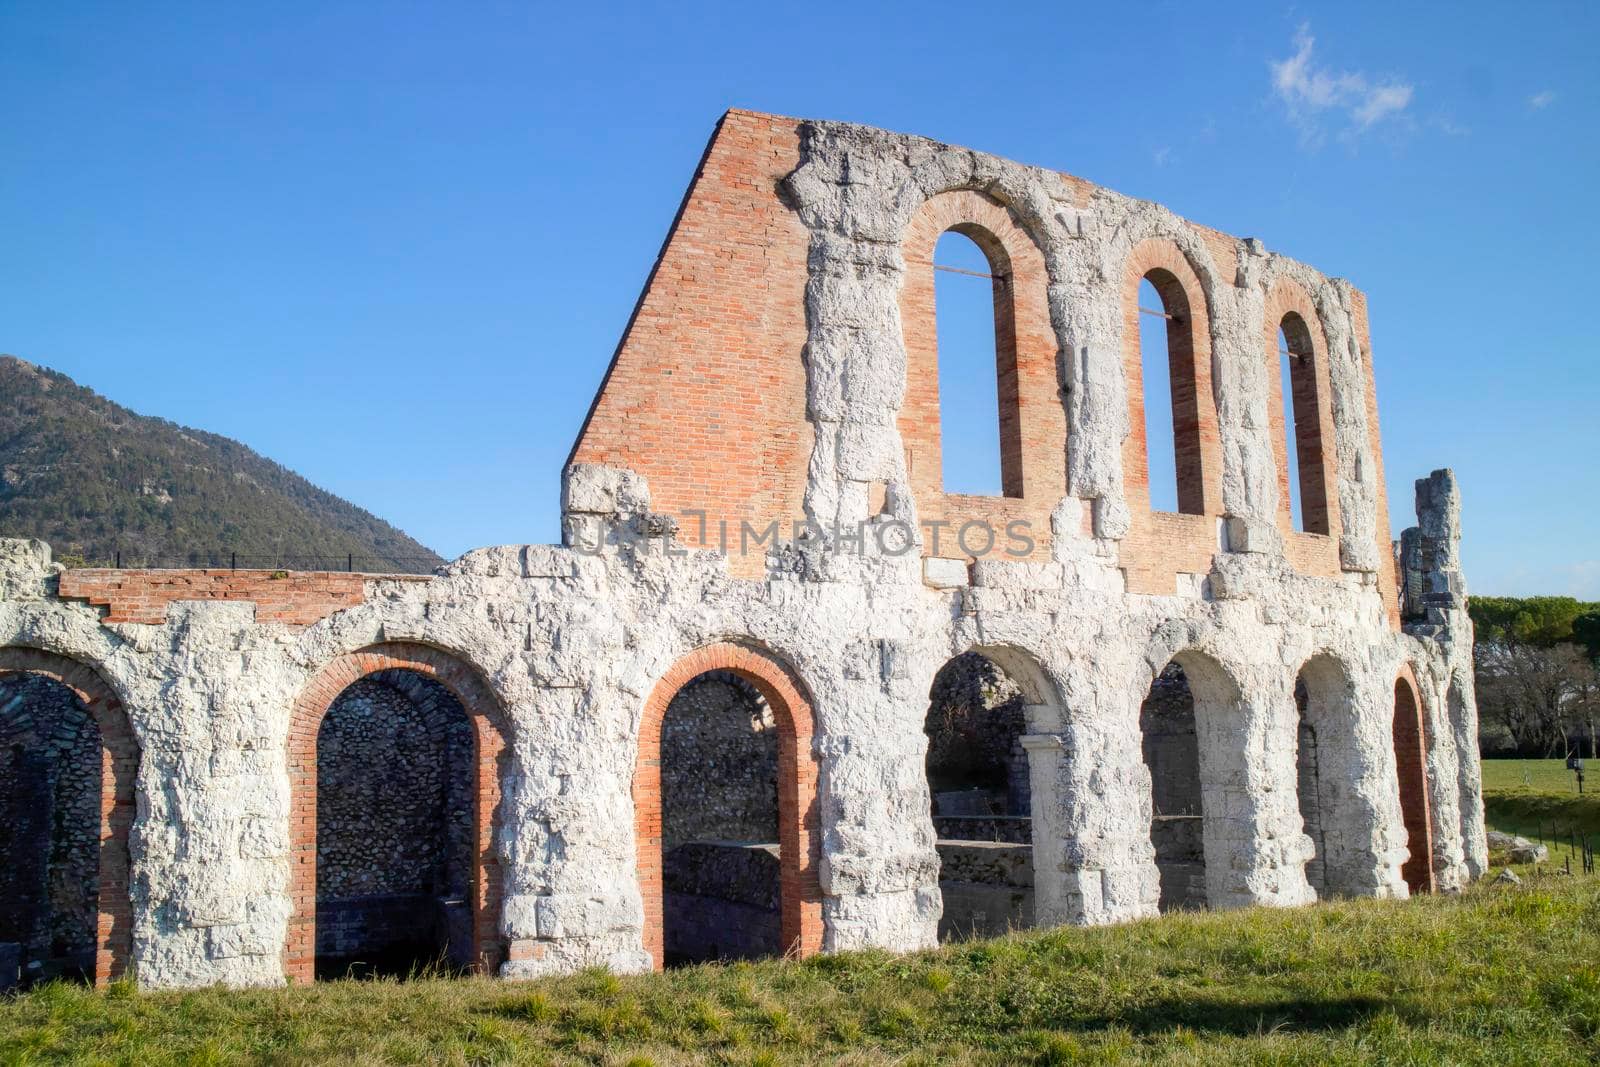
<point x="976" y="763"/>
<point x="49" y="826"/>
<point x="394" y="824"/>
<point x="986" y="888"/>
<point x="768" y="377"/>
<point x="719" y="764"/>
<point x="722" y="901"/>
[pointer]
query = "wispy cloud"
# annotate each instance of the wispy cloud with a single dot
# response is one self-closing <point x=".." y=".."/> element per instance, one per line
<point x="1542" y="99"/>
<point x="1162" y="154"/>
<point x="1314" y="95"/>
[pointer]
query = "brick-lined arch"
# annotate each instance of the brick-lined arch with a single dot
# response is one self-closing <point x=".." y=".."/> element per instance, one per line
<point x="799" y="836"/>
<point x="1194" y="412"/>
<point x="1160" y="544"/>
<point x="1411" y="764"/>
<point x="119" y="767"/>
<point x="490" y="737"/>
<point x="1292" y="310"/>
<point x="1032" y="420"/>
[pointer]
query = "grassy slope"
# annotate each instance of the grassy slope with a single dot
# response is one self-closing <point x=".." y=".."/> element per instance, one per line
<point x="1500" y="974"/>
<point x="1550" y="810"/>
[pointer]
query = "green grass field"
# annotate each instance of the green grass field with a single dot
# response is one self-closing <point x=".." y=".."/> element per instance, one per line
<point x="1550" y="809"/>
<point x="1540" y="775"/>
<point x="1499" y="974"/>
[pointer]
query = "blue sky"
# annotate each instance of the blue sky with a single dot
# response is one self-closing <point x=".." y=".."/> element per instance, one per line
<point x="392" y="246"/>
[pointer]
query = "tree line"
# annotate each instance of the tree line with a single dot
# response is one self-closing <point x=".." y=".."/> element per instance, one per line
<point x="1537" y="669"/>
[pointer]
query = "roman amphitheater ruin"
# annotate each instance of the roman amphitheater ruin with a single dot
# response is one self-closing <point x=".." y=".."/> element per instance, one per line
<point x="778" y="690"/>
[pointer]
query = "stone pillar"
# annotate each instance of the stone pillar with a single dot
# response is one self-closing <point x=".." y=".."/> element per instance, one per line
<point x="1363" y="833"/>
<point x="1255" y="847"/>
<point x="1100" y="814"/>
<point x="1434" y="607"/>
<point x="880" y="870"/>
<point x="1461" y="705"/>
<point x="1046" y="755"/>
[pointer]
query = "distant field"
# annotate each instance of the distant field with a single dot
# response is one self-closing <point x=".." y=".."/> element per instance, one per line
<point x="1540" y="775"/>
<point x="1537" y="798"/>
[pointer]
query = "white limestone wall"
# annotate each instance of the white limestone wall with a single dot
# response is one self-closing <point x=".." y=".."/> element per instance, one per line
<point x="572" y="644"/>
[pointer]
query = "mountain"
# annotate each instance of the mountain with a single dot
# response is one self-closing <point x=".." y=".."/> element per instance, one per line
<point x="95" y="479"/>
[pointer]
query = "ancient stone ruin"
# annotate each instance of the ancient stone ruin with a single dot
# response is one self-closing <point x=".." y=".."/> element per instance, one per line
<point x="778" y="691"/>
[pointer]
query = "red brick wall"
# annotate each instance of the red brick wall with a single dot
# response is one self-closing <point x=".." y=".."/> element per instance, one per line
<point x="1388" y="585"/>
<point x="489" y="727"/>
<point x="1411" y="761"/>
<point x="706" y="395"/>
<point x="119" y="765"/>
<point x="297" y="598"/>
<point x="799" y="821"/>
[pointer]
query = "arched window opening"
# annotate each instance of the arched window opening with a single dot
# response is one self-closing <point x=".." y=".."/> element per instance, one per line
<point x="50" y="824"/>
<point x="1302" y="427"/>
<point x="981" y="800"/>
<point x="1173" y="458"/>
<point x="721" y="873"/>
<point x="704" y="775"/>
<point x="976" y="336"/>
<point x="395" y="757"/>
<point x="1177" y="813"/>
<point x="1411" y="764"/>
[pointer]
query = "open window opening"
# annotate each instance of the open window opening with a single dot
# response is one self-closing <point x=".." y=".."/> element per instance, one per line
<point x="1173" y="456"/>
<point x="978" y="386"/>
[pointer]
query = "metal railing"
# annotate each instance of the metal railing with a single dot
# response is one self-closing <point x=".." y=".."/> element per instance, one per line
<point x="280" y="561"/>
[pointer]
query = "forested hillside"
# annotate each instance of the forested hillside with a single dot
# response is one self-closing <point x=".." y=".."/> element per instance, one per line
<point x="97" y="480"/>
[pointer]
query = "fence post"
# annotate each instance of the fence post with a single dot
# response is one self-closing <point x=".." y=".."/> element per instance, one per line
<point x="233" y="561"/>
<point x="350" y="563"/>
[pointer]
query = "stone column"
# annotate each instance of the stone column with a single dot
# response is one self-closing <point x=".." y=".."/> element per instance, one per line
<point x="1101" y="818"/>
<point x="1255" y="845"/>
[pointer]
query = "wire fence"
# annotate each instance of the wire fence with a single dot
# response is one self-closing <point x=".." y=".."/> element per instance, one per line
<point x="1579" y="844"/>
<point x="282" y="561"/>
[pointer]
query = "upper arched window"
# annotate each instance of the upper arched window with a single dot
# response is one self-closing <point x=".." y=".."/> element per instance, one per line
<point x="1174" y="462"/>
<point x="978" y="387"/>
<point x="1302" y="426"/>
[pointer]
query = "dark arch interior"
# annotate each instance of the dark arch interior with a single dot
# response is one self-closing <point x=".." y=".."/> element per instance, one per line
<point x="721" y="879"/>
<point x="1177" y="818"/>
<point x="50" y="771"/>
<point x="981" y="799"/>
<point x="395" y="787"/>
<point x="1308" y="776"/>
<point x="1411" y="764"/>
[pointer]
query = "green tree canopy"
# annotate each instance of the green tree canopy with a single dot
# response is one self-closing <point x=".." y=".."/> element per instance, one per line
<point x="1544" y="621"/>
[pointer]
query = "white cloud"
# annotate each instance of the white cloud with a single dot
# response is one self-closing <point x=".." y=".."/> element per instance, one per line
<point x="1162" y="154"/>
<point x="1312" y="93"/>
<point x="1542" y="99"/>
